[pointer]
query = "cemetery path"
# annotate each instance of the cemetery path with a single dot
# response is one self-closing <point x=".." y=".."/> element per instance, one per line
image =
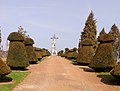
<point x="58" y="74"/>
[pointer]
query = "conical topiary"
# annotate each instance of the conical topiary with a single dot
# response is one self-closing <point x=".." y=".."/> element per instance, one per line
<point x="86" y="52"/>
<point x="17" y="56"/>
<point x="30" y="50"/>
<point x="103" y="59"/>
<point x="102" y="32"/>
<point x="4" y="69"/>
<point x="38" y="54"/>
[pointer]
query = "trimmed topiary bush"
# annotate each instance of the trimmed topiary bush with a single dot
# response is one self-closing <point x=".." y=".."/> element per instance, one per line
<point x="103" y="59"/>
<point x="116" y="71"/>
<point x="72" y="54"/>
<point x="4" y="69"/>
<point x="15" y="36"/>
<point x="105" y="38"/>
<point x="66" y="52"/>
<point x="86" y="52"/>
<point x="17" y="56"/>
<point x="61" y="53"/>
<point x="38" y="54"/>
<point x="30" y="50"/>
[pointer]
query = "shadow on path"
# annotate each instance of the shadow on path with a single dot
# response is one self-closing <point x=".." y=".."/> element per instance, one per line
<point x="5" y="79"/>
<point x="109" y="79"/>
<point x="87" y="69"/>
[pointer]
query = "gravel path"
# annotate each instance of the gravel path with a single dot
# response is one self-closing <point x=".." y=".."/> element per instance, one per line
<point x="58" y="74"/>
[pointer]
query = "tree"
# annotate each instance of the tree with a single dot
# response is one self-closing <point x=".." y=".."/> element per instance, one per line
<point x="22" y="31"/>
<point x="116" y="44"/>
<point x="90" y="30"/>
<point x="17" y="56"/>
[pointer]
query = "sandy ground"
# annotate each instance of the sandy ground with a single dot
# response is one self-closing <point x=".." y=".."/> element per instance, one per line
<point x="58" y="74"/>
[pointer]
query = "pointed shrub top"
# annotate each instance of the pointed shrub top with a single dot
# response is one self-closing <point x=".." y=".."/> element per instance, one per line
<point x="87" y="42"/>
<point x="15" y="36"/>
<point x="28" y="41"/>
<point x="103" y="31"/>
<point x="105" y="38"/>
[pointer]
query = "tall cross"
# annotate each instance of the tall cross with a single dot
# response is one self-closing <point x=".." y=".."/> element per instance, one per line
<point x="53" y="49"/>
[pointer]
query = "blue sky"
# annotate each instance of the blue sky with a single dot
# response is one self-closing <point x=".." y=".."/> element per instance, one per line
<point x="65" y="18"/>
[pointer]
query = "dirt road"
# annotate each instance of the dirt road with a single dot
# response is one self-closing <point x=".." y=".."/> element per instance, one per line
<point x="58" y="74"/>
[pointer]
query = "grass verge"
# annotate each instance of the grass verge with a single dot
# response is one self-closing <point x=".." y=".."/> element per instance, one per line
<point x="16" y="78"/>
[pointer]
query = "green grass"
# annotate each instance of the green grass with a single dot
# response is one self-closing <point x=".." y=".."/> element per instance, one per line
<point x="106" y="75"/>
<point x="16" y="77"/>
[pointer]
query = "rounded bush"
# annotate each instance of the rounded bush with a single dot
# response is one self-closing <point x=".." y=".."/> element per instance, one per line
<point x="72" y="55"/>
<point x="4" y="69"/>
<point x="15" y="36"/>
<point x="28" y="41"/>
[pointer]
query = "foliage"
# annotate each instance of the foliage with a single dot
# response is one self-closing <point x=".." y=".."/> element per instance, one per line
<point x="38" y="53"/>
<point x="86" y="52"/>
<point x="105" y="38"/>
<point x="4" y="69"/>
<point x="15" y="36"/>
<point x="87" y="42"/>
<point x="61" y="53"/>
<point x="17" y="77"/>
<point x="72" y="54"/>
<point x="103" y="59"/>
<point x="116" y="71"/>
<point x="66" y="52"/>
<point x="44" y="52"/>
<point x="31" y="54"/>
<point x="28" y="41"/>
<point x="17" y="56"/>
<point x="102" y="32"/>
<point x="116" y="44"/>
<point x="90" y="30"/>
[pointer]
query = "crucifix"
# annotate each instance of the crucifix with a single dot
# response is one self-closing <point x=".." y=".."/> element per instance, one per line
<point x="53" y="49"/>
